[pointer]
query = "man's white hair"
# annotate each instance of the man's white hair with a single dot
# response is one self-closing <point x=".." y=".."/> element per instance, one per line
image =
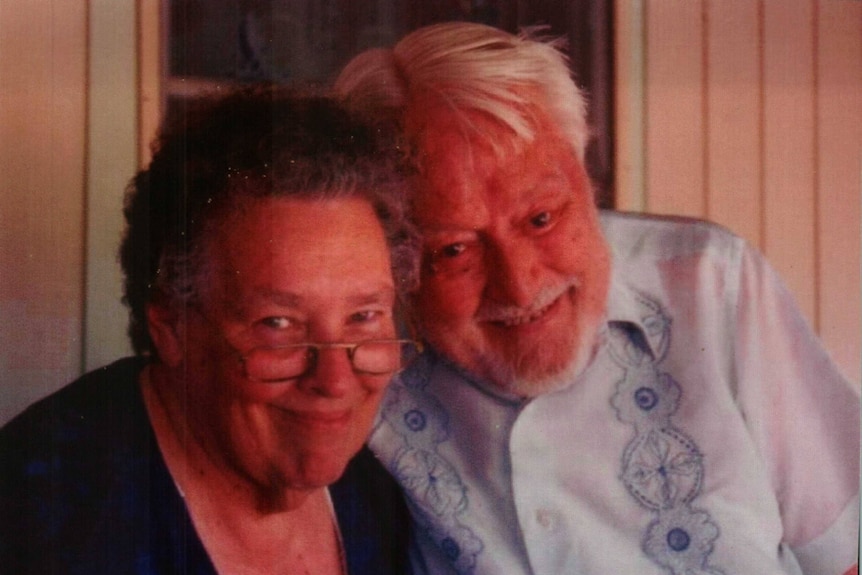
<point x="473" y="67"/>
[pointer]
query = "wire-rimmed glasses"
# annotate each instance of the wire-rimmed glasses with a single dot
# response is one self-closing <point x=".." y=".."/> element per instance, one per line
<point x="288" y="362"/>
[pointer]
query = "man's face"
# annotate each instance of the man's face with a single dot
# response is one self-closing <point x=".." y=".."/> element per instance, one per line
<point x="288" y="271"/>
<point x="515" y="268"/>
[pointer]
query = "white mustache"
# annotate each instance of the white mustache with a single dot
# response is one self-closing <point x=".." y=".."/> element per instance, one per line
<point x="516" y="315"/>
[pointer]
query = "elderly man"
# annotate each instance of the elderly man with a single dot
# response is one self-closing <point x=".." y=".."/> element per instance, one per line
<point x="605" y="393"/>
<point x="259" y="256"/>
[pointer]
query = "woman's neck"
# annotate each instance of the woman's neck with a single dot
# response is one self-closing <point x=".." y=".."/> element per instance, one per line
<point x="245" y="528"/>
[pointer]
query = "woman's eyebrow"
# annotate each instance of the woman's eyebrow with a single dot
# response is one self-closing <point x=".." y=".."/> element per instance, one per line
<point x="385" y="295"/>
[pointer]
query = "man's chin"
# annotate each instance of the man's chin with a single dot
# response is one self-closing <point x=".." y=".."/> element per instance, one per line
<point x="536" y="384"/>
<point x="535" y="372"/>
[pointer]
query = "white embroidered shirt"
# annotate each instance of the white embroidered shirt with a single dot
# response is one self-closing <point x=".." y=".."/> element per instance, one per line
<point x="710" y="434"/>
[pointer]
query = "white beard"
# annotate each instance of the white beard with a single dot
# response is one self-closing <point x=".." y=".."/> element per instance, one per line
<point x="505" y="375"/>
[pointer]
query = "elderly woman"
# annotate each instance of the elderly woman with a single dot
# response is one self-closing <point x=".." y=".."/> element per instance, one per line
<point x="264" y="254"/>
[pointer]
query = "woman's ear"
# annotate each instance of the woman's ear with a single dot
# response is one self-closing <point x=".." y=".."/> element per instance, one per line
<point x="167" y="330"/>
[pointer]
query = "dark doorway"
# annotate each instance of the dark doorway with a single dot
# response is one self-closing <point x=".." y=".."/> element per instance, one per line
<point x="310" y="40"/>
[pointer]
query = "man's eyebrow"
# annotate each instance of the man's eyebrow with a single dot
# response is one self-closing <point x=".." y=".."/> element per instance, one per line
<point x="539" y="188"/>
<point x="444" y="228"/>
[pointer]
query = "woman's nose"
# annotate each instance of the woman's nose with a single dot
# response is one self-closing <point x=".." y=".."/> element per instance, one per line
<point x="331" y="374"/>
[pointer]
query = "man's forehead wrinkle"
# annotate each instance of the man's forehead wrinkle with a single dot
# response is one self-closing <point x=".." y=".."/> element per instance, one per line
<point x="456" y="208"/>
<point x="460" y="199"/>
<point x="490" y="125"/>
<point x="449" y="154"/>
<point x="473" y="132"/>
<point x="465" y="177"/>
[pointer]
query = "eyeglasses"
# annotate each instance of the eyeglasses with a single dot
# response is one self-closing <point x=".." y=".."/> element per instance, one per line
<point x="287" y="362"/>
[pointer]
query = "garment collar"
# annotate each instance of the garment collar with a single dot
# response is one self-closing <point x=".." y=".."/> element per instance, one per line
<point x="639" y="315"/>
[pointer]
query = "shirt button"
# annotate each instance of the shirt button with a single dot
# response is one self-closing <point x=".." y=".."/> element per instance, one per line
<point x="545" y="518"/>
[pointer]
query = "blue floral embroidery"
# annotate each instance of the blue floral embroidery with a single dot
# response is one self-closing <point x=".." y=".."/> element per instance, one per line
<point x="431" y="481"/>
<point x="415" y="420"/>
<point x="681" y="539"/>
<point x="662" y="467"/>
<point x="435" y="490"/>
<point x="646" y="398"/>
<point x="460" y="546"/>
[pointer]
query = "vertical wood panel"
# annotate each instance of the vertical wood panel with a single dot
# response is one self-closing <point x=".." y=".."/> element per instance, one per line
<point x="112" y="161"/>
<point x="789" y="171"/>
<point x="42" y="128"/>
<point x="674" y="109"/>
<point x="783" y="137"/>
<point x="839" y="119"/>
<point x="150" y="42"/>
<point x="733" y="117"/>
<point x="629" y="160"/>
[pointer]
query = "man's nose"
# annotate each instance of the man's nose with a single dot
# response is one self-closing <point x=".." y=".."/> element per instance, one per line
<point x="513" y="272"/>
<point x="331" y="375"/>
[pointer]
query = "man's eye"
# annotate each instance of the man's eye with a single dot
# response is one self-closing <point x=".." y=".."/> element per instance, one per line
<point x="454" y="257"/>
<point x="541" y="220"/>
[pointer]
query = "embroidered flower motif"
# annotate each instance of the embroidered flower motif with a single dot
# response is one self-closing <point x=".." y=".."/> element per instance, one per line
<point x="460" y="546"/>
<point x="646" y="398"/>
<point x="431" y="481"/>
<point x="422" y="427"/>
<point x="681" y="539"/>
<point x="415" y="420"/>
<point x="623" y="349"/>
<point x="661" y="466"/>
<point x="662" y="469"/>
<point x="657" y="326"/>
<point x="433" y="487"/>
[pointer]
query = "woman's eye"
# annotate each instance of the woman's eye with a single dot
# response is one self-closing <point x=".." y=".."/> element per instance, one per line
<point x="541" y="220"/>
<point x="365" y="316"/>
<point x="276" y="322"/>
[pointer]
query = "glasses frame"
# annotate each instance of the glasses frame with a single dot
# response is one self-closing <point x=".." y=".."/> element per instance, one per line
<point x="312" y="349"/>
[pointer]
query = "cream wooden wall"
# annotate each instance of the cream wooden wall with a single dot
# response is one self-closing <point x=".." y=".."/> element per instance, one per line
<point x="68" y="129"/>
<point x="743" y="111"/>
<point x="43" y="75"/>
<point x="749" y="113"/>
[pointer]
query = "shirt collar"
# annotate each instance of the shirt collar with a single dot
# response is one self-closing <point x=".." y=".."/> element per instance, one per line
<point x="640" y="316"/>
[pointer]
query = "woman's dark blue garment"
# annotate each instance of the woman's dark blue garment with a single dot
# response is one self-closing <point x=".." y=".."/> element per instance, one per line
<point x="84" y="490"/>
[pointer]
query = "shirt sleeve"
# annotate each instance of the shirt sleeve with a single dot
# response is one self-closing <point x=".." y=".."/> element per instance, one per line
<point x="804" y="417"/>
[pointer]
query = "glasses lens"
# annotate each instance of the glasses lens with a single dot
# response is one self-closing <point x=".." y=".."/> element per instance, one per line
<point x="382" y="357"/>
<point x="271" y="365"/>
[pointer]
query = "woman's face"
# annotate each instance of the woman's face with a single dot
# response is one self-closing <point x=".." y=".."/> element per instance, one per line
<point x="286" y="271"/>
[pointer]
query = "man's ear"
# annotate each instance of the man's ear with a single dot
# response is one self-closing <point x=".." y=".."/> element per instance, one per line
<point x="167" y="330"/>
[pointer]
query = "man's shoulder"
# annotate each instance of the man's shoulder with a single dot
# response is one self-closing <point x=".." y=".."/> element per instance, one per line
<point x="644" y="237"/>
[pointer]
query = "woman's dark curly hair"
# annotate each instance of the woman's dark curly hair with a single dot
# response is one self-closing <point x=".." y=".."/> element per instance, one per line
<point x="257" y="142"/>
